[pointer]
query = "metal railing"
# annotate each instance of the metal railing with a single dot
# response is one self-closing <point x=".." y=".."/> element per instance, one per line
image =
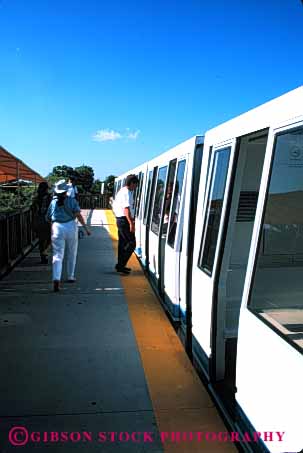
<point x="94" y="201"/>
<point x="16" y="237"/>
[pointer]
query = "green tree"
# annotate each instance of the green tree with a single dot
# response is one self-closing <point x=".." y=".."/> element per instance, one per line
<point x="59" y="172"/>
<point x="109" y="184"/>
<point x="62" y="171"/>
<point x="85" y="177"/>
<point x="96" y="187"/>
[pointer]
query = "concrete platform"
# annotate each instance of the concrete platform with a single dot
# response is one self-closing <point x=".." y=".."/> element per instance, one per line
<point x="98" y="357"/>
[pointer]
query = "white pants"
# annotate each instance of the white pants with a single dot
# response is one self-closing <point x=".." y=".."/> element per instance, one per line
<point x="64" y="234"/>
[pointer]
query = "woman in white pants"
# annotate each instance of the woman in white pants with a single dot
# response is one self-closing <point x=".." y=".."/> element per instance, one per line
<point x="62" y="212"/>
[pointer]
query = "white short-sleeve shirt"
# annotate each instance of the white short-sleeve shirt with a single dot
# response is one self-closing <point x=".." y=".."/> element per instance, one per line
<point x="124" y="199"/>
<point x="72" y="191"/>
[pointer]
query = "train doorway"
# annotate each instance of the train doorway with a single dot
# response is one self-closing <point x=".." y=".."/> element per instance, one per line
<point x="164" y="223"/>
<point x="147" y="211"/>
<point x="232" y="263"/>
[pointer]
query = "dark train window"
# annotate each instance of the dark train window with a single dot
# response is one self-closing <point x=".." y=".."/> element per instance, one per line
<point x="147" y="197"/>
<point x="176" y="204"/>
<point x="158" y="200"/>
<point x="138" y="193"/>
<point x="168" y="194"/>
<point x="214" y="209"/>
<point x="135" y="195"/>
<point x="276" y="294"/>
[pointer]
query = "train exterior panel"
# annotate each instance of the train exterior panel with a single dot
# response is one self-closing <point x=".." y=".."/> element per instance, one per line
<point x="220" y="227"/>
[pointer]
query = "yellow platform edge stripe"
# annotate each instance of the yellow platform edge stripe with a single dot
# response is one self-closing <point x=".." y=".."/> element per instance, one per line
<point x="180" y="402"/>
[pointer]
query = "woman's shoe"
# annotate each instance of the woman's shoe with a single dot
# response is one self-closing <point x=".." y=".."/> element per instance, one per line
<point x="56" y="286"/>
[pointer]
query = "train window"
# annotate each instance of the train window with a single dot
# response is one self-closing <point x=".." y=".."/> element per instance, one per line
<point x="214" y="209"/>
<point x="176" y="204"/>
<point x="158" y="200"/>
<point x="169" y="194"/>
<point x="277" y="288"/>
<point x="119" y="186"/>
<point x="141" y="178"/>
<point x="150" y="177"/>
<point x="135" y="195"/>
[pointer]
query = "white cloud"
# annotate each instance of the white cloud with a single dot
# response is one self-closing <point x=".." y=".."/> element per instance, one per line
<point x="105" y="135"/>
<point x="133" y="135"/>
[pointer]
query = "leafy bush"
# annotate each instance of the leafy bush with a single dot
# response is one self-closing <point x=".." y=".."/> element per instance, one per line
<point x="11" y="200"/>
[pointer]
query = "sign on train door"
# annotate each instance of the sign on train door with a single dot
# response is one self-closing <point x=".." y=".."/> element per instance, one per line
<point x="269" y="371"/>
<point x="209" y="224"/>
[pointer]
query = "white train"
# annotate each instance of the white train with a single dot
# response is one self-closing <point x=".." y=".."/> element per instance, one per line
<point x="219" y="228"/>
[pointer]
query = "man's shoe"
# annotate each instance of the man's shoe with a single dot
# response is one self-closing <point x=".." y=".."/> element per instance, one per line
<point x="128" y="269"/>
<point x="71" y="280"/>
<point x="121" y="269"/>
<point x="56" y="286"/>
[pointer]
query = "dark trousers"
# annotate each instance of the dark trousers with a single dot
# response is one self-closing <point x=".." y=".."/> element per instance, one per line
<point x="43" y="246"/>
<point x="44" y="236"/>
<point x="127" y="241"/>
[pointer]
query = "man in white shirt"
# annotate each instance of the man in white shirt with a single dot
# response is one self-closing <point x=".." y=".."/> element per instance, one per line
<point x="123" y="208"/>
<point x="72" y="188"/>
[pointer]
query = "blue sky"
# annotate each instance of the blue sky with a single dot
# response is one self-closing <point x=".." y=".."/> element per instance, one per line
<point x="114" y="83"/>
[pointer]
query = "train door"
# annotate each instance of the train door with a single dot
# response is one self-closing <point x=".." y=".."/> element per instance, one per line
<point x="155" y="222"/>
<point x="191" y="191"/>
<point x="232" y="261"/>
<point x="138" y="223"/>
<point x="172" y="232"/>
<point x="144" y="214"/>
<point x="270" y="339"/>
<point x="148" y="213"/>
<point x="208" y="234"/>
<point x="164" y="223"/>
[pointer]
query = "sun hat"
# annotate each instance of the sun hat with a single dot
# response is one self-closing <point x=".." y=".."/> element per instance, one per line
<point x="61" y="186"/>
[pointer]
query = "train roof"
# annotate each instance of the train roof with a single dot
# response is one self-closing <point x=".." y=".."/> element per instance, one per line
<point x="285" y="107"/>
<point x="182" y="148"/>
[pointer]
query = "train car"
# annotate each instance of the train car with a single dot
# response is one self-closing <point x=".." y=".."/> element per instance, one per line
<point x="169" y="175"/>
<point x="232" y="276"/>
